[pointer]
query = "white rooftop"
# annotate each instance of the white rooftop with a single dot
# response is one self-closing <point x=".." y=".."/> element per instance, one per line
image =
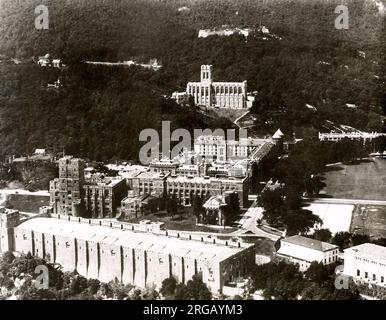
<point x="369" y="250"/>
<point x="128" y="238"/>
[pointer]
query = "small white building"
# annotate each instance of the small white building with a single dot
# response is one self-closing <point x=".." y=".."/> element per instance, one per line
<point x="303" y="251"/>
<point x="366" y="263"/>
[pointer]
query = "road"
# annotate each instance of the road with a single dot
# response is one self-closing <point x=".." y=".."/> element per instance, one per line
<point x="348" y="201"/>
<point x="244" y="114"/>
<point x="249" y="224"/>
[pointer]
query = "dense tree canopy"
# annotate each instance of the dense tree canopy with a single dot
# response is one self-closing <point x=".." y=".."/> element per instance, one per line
<point x="99" y="112"/>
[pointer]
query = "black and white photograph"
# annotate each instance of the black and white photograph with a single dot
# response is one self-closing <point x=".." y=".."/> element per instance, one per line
<point x="204" y="151"/>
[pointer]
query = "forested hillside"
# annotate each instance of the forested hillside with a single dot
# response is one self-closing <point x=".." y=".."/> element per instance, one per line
<point x="99" y="112"/>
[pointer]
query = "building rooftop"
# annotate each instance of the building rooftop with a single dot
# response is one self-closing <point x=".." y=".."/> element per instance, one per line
<point x="310" y="243"/>
<point x="131" y="239"/>
<point x="278" y="134"/>
<point x="369" y="249"/>
<point x="151" y="175"/>
<point x="202" y="180"/>
<point x="215" y="202"/>
<point x="105" y="181"/>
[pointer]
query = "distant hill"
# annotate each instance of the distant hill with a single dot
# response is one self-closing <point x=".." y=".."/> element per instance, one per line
<point x="99" y="113"/>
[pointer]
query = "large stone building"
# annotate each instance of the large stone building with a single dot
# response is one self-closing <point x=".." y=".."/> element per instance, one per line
<point x="134" y="206"/>
<point x="103" y="197"/>
<point x="185" y="188"/>
<point x="72" y="194"/>
<point x="217" y="148"/>
<point x="66" y="192"/>
<point x="159" y="182"/>
<point x="232" y="95"/>
<point x="109" y="251"/>
<point x="366" y="263"/>
<point x="302" y="251"/>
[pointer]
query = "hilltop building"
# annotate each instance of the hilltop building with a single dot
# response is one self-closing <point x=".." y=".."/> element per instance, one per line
<point x="123" y="251"/>
<point x="231" y="95"/>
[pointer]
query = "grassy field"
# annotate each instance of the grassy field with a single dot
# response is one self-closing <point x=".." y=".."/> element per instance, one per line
<point x="370" y="220"/>
<point x="28" y="203"/>
<point x="365" y="180"/>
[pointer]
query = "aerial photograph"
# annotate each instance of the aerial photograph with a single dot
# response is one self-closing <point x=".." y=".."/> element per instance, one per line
<point x="222" y="152"/>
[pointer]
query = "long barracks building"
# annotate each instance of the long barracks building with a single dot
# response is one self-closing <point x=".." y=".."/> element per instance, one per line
<point x="107" y="251"/>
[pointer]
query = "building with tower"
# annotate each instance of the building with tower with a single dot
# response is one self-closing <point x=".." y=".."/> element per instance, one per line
<point x="66" y="192"/>
<point x="95" y="197"/>
<point x="231" y="95"/>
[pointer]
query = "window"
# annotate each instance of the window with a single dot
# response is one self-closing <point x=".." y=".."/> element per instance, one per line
<point x="358" y="273"/>
<point x="366" y="275"/>
<point x="382" y="279"/>
<point x="374" y="277"/>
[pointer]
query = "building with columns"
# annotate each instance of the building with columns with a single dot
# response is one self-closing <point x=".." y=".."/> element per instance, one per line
<point x="231" y="95"/>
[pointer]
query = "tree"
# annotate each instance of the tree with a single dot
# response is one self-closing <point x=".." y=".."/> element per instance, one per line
<point x="171" y="206"/>
<point x="197" y="204"/>
<point x="358" y="239"/>
<point x="342" y="239"/>
<point x="181" y="292"/>
<point x="168" y="287"/>
<point x="197" y="289"/>
<point x="322" y="235"/>
<point x="317" y="272"/>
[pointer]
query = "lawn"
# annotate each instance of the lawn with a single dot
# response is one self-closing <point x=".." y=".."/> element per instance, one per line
<point x="365" y="180"/>
<point x="370" y="220"/>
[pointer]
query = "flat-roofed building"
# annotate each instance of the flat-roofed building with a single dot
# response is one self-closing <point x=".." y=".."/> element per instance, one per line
<point x="366" y="263"/>
<point x="123" y="252"/>
<point x="152" y="183"/>
<point x="102" y="197"/>
<point x="134" y="206"/>
<point x="302" y="251"/>
<point x="185" y="188"/>
<point x="218" y="148"/>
